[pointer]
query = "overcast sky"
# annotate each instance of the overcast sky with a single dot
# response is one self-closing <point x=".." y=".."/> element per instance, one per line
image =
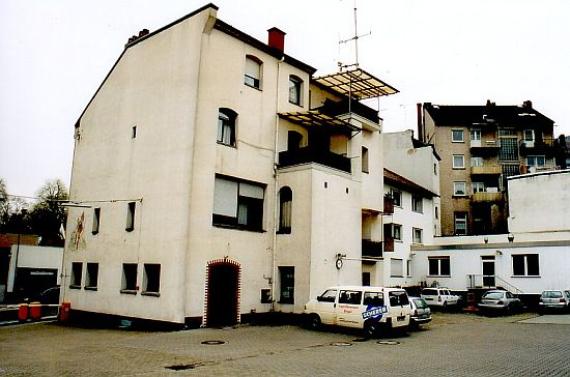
<point x="55" y="53"/>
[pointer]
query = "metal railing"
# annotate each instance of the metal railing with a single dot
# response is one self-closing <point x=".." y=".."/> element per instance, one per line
<point x="312" y="154"/>
<point x="490" y="281"/>
<point x="371" y="249"/>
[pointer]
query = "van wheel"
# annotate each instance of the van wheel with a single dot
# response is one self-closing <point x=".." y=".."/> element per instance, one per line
<point x="370" y="329"/>
<point x="314" y="322"/>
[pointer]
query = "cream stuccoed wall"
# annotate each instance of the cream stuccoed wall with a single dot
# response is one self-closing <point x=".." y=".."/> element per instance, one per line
<point x="539" y="202"/>
<point x="153" y="87"/>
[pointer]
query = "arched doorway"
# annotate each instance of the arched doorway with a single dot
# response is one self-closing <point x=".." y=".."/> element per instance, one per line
<point x="222" y="295"/>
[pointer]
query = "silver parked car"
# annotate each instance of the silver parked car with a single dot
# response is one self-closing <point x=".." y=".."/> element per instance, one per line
<point x="500" y="301"/>
<point x="421" y="313"/>
<point x="554" y="299"/>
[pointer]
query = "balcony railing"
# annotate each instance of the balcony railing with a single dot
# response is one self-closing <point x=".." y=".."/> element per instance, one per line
<point x="371" y="249"/>
<point x="524" y="169"/>
<point x="487" y="197"/>
<point x="311" y="154"/>
<point x="485" y="147"/>
<point x="543" y="146"/>
<point x="486" y="170"/>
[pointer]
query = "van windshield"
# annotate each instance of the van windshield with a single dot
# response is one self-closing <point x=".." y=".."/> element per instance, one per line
<point x="398" y="298"/>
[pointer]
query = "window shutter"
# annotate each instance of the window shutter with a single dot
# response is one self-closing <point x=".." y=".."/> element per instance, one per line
<point x="225" y="197"/>
<point x="250" y="191"/>
<point x="252" y="68"/>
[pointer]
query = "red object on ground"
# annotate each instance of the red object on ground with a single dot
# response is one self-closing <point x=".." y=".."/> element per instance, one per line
<point x="35" y="311"/>
<point x="64" y="311"/>
<point x="23" y="312"/>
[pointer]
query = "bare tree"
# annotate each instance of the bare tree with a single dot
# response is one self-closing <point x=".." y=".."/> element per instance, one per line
<point x="47" y="215"/>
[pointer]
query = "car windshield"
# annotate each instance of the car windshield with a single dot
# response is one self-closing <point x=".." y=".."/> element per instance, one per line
<point x="493" y="295"/>
<point x="420" y="303"/>
<point x="552" y="294"/>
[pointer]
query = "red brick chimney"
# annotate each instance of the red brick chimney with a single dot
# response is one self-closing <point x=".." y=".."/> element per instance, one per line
<point x="276" y="39"/>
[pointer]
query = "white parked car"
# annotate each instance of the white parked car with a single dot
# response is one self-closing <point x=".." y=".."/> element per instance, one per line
<point x="439" y="297"/>
<point x="367" y="308"/>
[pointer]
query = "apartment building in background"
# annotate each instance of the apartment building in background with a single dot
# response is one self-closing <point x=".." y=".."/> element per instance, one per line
<point x="480" y="147"/>
<point x="214" y="178"/>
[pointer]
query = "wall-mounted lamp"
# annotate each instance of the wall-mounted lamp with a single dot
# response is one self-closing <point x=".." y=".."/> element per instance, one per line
<point x="339" y="262"/>
<point x="511" y="237"/>
<point x="499" y="253"/>
<point x="486" y="239"/>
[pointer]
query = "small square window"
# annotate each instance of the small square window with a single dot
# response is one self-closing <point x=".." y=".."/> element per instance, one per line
<point x="129" y="279"/>
<point x="458" y="161"/>
<point x="417" y="203"/>
<point x="459" y="188"/>
<point x="417" y="235"/>
<point x="461" y="223"/>
<point x="295" y="90"/>
<point x="397" y="232"/>
<point x="76" y="275"/>
<point x="397" y="196"/>
<point x="134" y="132"/>
<point x="457" y="136"/>
<point x="365" y="160"/>
<point x="151" y="279"/>
<point x="92" y="275"/>
<point x="287" y="282"/>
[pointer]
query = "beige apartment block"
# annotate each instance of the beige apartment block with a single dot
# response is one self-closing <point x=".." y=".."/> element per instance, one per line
<point x="214" y="179"/>
<point x="480" y="146"/>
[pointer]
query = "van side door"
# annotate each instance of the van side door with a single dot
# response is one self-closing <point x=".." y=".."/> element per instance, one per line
<point x="326" y="306"/>
<point x="349" y="310"/>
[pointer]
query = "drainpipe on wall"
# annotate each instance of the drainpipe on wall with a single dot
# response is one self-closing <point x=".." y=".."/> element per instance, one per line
<point x="276" y="185"/>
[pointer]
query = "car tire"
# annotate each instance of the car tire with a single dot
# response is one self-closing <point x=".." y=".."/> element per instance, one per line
<point x="370" y="329"/>
<point x="315" y="322"/>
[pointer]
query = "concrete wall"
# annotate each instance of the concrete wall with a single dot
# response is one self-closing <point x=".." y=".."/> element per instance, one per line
<point x="539" y="202"/>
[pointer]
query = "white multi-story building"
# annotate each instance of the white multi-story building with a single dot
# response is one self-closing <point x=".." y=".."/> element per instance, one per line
<point x="215" y="178"/>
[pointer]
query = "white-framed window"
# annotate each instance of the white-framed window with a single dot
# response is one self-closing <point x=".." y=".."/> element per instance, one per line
<point x="475" y="134"/>
<point x="417" y="235"/>
<point x="365" y="160"/>
<point x="459" y="188"/>
<point x="409" y="268"/>
<point x="396" y="268"/>
<point x="526" y="265"/>
<point x="528" y="135"/>
<point x="397" y="232"/>
<point x="295" y="90"/>
<point x="252" y="75"/>
<point x="227" y="127"/>
<point x="439" y="266"/>
<point x="536" y="161"/>
<point x="476" y="161"/>
<point x="457" y="135"/>
<point x="478" y="187"/>
<point x="417" y="203"/>
<point x="238" y="204"/>
<point x="458" y="161"/>
<point x="397" y="196"/>
<point x="460" y="223"/>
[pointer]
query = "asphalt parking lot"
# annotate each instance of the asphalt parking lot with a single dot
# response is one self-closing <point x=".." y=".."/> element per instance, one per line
<point x="454" y="344"/>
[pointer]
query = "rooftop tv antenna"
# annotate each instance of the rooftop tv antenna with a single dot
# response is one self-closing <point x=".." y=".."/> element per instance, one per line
<point x="354" y="39"/>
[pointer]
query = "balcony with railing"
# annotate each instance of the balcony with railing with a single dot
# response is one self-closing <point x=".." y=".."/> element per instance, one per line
<point x="486" y="170"/>
<point x="545" y="146"/>
<point x="487" y="197"/>
<point x="371" y="249"/>
<point x="317" y="155"/>
<point x="485" y="147"/>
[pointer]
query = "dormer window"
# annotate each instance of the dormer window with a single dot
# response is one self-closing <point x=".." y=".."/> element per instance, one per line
<point x="252" y="76"/>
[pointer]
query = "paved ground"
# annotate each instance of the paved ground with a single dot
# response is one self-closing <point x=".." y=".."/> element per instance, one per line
<point x="559" y="319"/>
<point x="453" y="345"/>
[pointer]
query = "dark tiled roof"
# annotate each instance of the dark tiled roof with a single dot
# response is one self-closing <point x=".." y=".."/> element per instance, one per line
<point x="449" y="115"/>
<point x="398" y="181"/>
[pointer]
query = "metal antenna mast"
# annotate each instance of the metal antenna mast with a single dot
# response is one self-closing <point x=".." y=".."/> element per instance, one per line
<point x="355" y="39"/>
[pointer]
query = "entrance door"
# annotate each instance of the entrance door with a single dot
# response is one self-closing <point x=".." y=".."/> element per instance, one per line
<point x="222" y="294"/>
<point x="488" y="263"/>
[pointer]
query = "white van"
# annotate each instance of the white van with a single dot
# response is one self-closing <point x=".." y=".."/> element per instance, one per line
<point x="367" y="308"/>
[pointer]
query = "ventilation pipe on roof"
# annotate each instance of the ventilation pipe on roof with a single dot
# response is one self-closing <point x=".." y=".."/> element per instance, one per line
<point x="527" y="104"/>
<point x="276" y="39"/>
<point x="420" y="122"/>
